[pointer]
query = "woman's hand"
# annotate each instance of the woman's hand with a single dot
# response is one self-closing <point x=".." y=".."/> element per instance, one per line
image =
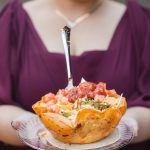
<point x="17" y="122"/>
<point x="7" y="114"/>
<point x="132" y="123"/>
<point x="138" y="119"/>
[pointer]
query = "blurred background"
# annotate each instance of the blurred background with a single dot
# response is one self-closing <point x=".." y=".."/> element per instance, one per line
<point x="146" y="3"/>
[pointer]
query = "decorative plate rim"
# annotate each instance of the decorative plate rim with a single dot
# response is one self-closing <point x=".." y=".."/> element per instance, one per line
<point x="126" y="136"/>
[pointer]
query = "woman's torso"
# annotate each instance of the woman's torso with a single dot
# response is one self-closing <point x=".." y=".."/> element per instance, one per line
<point x="93" y="33"/>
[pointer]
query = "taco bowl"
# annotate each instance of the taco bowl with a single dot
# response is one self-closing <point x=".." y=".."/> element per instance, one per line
<point x="85" y="114"/>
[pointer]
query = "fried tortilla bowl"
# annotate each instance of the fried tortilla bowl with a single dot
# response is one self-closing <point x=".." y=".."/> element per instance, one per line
<point x="88" y="121"/>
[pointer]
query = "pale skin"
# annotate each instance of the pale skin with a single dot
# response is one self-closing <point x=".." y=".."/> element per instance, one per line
<point x="47" y="24"/>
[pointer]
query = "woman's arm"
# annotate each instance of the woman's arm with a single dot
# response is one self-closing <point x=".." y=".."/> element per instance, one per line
<point x="142" y="116"/>
<point x="7" y="133"/>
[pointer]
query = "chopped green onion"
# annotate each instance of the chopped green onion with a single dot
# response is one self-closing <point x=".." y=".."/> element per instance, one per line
<point x="66" y="114"/>
<point x="101" y="106"/>
<point x="88" y="99"/>
<point x="96" y="105"/>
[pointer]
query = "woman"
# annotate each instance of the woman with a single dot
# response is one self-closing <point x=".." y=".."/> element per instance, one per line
<point x="110" y="42"/>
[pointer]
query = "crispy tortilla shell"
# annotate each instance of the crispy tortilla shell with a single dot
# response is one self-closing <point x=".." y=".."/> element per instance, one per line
<point x="90" y="125"/>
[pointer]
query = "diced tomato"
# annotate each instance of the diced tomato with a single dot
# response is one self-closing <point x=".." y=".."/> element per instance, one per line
<point x="111" y="93"/>
<point x="100" y="89"/>
<point x="73" y="95"/>
<point x="87" y="86"/>
<point x="90" y="94"/>
<point x="82" y="90"/>
<point x="80" y="93"/>
<point x="86" y="89"/>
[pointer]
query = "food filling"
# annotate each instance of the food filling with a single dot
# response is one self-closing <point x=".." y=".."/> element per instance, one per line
<point x="86" y="95"/>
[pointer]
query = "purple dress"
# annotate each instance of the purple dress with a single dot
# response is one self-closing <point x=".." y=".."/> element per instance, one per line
<point x="28" y="71"/>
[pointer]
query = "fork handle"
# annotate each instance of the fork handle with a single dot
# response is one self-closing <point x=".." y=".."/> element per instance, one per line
<point x="66" y="42"/>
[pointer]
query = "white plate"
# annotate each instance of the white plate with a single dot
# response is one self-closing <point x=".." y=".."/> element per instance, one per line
<point x="34" y="134"/>
<point x="114" y="137"/>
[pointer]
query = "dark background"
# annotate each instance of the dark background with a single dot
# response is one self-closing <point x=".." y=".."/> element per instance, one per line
<point x="143" y="2"/>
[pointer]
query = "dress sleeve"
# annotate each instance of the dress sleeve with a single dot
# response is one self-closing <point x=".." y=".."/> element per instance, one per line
<point x="8" y="44"/>
<point x="142" y="96"/>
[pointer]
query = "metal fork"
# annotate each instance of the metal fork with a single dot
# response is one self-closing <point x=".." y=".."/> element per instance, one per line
<point x="66" y="43"/>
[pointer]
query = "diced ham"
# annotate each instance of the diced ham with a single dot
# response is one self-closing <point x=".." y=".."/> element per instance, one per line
<point x="49" y="97"/>
<point x="53" y="108"/>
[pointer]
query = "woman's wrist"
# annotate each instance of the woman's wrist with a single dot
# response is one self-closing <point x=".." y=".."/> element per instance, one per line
<point x="141" y="118"/>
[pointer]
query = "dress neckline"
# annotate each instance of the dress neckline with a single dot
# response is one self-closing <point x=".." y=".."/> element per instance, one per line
<point x="110" y="46"/>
